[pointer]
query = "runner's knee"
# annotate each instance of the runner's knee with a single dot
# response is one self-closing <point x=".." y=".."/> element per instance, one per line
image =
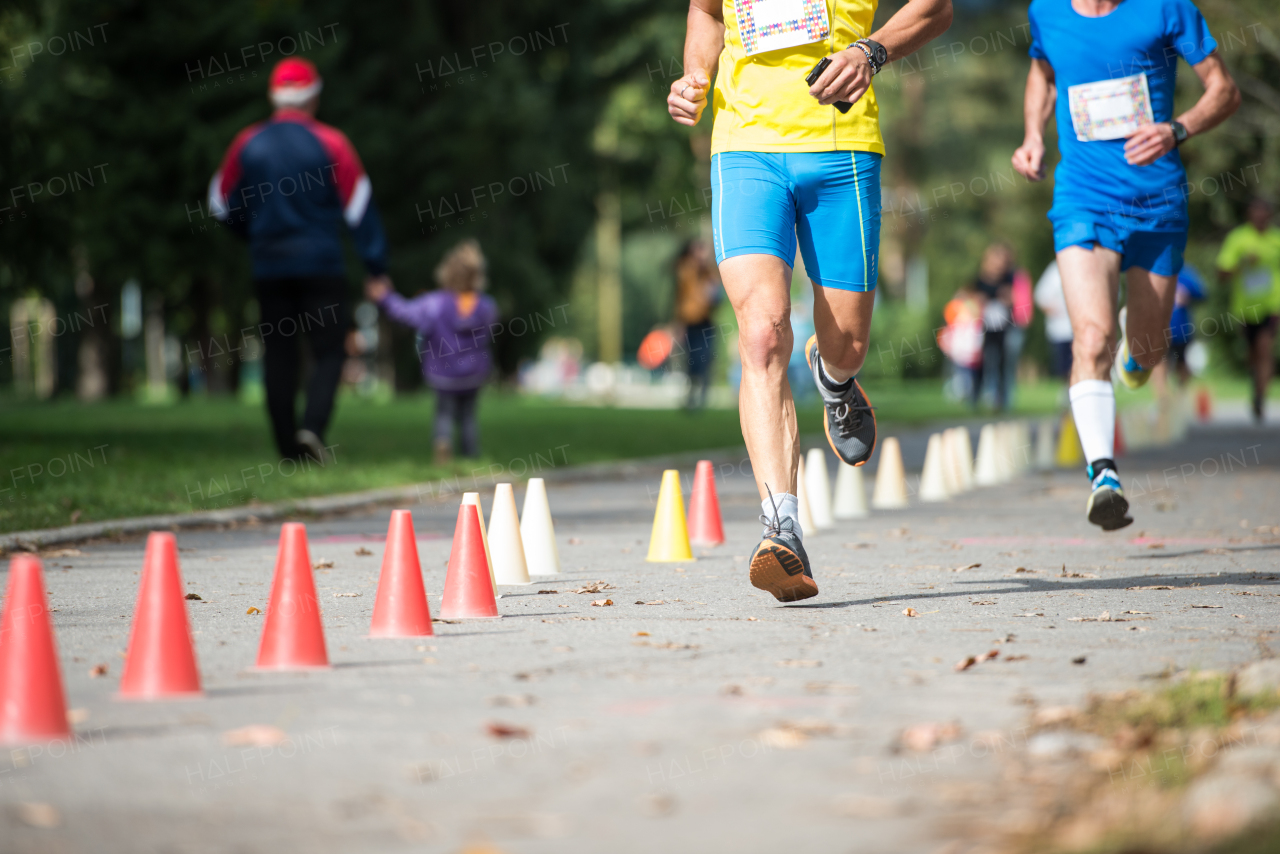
<point x="764" y="341"/>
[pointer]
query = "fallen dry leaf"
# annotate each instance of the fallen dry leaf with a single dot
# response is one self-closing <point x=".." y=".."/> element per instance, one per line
<point x="783" y="738"/>
<point x="575" y="541"/>
<point x="1135" y="612"/>
<point x="498" y="729"/>
<point x="1081" y="660"/>
<point x="548" y="591"/>
<point x="667" y="645"/>
<point x="602" y="603"/>
<point x="1152" y="587"/>
<point x="345" y="595"/>
<point x="1238" y="616"/>
<point x="322" y="564"/>
<point x="594" y="587"/>
<point x="254" y="611"/>
<point x="966" y="663"/>
<point x="1024" y="569"/>
<point x="64" y="553"/>
<point x="982" y="602"/>
<point x="1016" y="657"/>
<point x="640" y="635"/>
<point x="195" y="597"/>
<point x="254" y="735"/>
<point x="925" y="737"/>
<point x="654" y="602"/>
<point x="363" y="552"/>
<point x="1206" y="606"/>
<point x="98" y="670"/>
<point x="910" y="612"/>
<point x="966" y="567"/>
<point x="1031" y="614"/>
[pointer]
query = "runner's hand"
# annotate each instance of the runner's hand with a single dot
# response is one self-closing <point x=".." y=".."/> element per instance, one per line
<point x="688" y="98"/>
<point x="1029" y="159"/>
<point x="847" y="78"/>
<point x="1149" y="143"/>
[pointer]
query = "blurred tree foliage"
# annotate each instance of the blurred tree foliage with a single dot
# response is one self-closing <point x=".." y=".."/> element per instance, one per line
<point x="454" y="104"/>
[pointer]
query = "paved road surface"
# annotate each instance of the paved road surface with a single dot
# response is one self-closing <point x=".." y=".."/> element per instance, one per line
<point x="718" y="720"/>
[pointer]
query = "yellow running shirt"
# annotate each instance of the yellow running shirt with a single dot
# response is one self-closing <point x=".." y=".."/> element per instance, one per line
<point x="762" y="102"/>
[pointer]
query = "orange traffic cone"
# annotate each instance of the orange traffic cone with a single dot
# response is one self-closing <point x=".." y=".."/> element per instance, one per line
<point x="32" y="705"/>
<point x="400" y="611"/>
<point x="468" y="591"/>
<point x="161" y="662"/>
<point x="706" y="528"/>
<point x="293" y="636"/>
<point x="1204" y="405"/>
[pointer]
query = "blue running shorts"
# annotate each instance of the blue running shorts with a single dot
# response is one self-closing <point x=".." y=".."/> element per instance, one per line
<point x="763" y="202"/>
<point x="1156" y="246"/>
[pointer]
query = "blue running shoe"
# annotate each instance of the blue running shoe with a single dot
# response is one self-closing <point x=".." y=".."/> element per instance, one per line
<point x="1107" y="507"/>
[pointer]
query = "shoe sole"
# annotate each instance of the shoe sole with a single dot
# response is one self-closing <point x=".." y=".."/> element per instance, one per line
<point x="769" y="574"/>
<point x="1108" y="510"/>
<point x="826" y="423"/>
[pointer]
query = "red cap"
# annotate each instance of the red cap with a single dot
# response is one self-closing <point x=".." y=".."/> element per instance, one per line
<point x="294" y="81"/>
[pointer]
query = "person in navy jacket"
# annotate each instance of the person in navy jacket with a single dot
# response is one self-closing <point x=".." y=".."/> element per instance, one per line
<point x="291" y="185"/>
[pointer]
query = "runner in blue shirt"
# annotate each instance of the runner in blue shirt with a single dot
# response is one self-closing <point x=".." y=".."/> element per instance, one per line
<point x="1107" y="69"/>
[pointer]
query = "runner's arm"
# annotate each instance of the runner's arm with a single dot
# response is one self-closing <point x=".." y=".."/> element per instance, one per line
<point x="1221" y="98"/>
<point x="703" y="41"/>
<point x="848" y="77"/>
<point x="1037" y="107"/>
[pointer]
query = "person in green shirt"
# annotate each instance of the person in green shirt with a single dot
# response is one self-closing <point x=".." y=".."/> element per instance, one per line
<point x="1250" y="262"/>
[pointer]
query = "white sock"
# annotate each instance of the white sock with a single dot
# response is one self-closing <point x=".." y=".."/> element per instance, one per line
<point x="1093" y="404"/>
<point x="788" y="508"/>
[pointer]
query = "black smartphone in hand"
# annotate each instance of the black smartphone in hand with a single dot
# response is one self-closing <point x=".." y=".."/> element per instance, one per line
<point x="816" y="72"/>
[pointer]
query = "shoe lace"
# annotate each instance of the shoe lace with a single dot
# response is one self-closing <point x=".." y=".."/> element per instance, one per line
<point x="776" y="525"/>
<point x="848" y="417"/>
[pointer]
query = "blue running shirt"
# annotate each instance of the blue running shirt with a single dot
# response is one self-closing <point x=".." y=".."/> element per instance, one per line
<point x="1139" y="37"/>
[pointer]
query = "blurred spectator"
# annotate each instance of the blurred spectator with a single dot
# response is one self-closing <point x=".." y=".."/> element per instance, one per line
<point x="1057" y="323"/>
<point x="697" y="294"/>
<point x="961" y="339"/>
<point x="1006" y="293"/>
<point x="453" y="325"/>
<point x="1250" y="262"/>
<point x="295" y="244"/>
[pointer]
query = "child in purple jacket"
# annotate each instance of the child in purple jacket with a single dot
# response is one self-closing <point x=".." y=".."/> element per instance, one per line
<point x="454" y="327"/>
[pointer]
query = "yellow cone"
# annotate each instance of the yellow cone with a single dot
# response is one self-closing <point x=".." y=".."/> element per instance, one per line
<point x="891" y="479"/>
<point x="505" y="546"/>
<point x="851" y="495"/>
<point x="474" y="498"/>
<point x="933" y="485"/>
<point x="537" y="531"/>
<point x="1070" y="454"/>
<point x="670" y="540"/>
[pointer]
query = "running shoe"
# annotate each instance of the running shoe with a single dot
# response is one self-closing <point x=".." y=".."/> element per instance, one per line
<point x="851" y="422"/>
<point x="1127" y="369"/>
<point x="1107" y="507"/>
<point x="779" y="564"/>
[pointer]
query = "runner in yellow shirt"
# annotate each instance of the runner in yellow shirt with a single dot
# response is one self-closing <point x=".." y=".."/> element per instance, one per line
<point x="796" y="152"/>
<point x="1249" y="261"/>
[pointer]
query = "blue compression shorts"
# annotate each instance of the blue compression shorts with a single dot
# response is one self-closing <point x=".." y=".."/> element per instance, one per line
<point x="761" y="203"/>
<point x="1139" y="243"/>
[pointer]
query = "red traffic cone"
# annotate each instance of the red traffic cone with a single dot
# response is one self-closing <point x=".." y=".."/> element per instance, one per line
<point x="161" y="661"/>
<point x="32" y="705"/>
<point x="400" y="611"/>
<point x="292" y="635"/>
<point x="468" y="592"/>
<point x="706" y="528"/>
<point x="1120" y="449"/>
<point x="1204" y="405"/>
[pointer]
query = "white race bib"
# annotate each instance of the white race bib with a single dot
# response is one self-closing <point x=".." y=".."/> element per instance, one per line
<point x="1110" y="109"/>
<point x="765" y="25"/>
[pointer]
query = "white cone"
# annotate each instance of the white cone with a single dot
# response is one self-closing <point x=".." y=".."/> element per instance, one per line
<point x="1022" y="458"/>
<point x="1046" y="447"/>
<point x="851" y="495"/>
<point x="474" y="498"/>
<point x="951" y="462"/>
<point x="1004" y="451"/>
<point x="537" y="531"/>
<point x="985" y="471"/>
<point x="802" y="499"/>
<point x="964" y="458"/>
<point x="933" y="485"/>
<point x="891" y="479"/>
<point x="818" y="488"/>
<point x="506" y="548"/>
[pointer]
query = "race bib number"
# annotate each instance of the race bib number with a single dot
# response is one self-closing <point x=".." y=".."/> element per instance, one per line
<point x="1257" y="281"/>
<point x="765" y="25"/>
<point x="1110" y="109"/>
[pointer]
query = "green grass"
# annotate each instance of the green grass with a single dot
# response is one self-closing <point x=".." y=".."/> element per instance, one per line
<point x="214" y="453"/>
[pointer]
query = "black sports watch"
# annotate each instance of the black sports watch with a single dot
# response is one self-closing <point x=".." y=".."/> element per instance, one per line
<point x="877" y="56"/>
<point x="1180" y="133"/>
